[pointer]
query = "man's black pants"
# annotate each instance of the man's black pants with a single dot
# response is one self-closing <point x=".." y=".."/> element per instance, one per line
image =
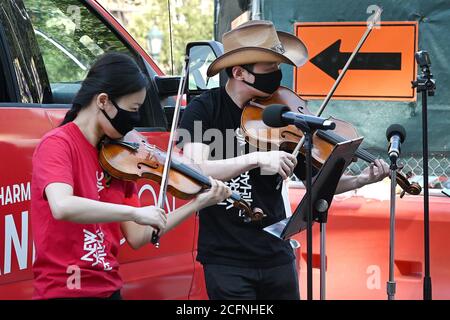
<point x="236" y="283"/>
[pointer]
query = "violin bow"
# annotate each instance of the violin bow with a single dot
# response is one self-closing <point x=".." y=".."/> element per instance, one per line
<point x="372" y="23"/>
<point x="168" y="160"/>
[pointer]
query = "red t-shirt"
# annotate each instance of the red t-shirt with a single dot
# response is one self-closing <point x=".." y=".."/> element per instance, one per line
<point x="72" y="259"/>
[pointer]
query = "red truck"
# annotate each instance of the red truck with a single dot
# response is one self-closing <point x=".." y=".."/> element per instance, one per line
<point x="46" y="47"/>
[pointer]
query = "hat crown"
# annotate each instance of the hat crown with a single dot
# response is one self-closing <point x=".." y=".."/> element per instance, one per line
<point x="255" y="33"/>
<point x="258" y="41"/>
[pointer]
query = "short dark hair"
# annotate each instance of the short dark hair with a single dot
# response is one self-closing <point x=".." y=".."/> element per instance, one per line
<point x="229" y="70"/>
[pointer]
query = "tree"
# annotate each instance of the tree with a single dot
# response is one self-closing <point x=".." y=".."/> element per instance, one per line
<point x="70" y="38"/>
<point x="189" y="23"/>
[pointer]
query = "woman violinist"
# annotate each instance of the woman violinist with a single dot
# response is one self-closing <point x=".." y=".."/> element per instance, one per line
<point x="78" y="213"/>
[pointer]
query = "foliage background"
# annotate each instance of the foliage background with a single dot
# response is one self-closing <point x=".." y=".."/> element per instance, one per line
<point x="191" y="20"/>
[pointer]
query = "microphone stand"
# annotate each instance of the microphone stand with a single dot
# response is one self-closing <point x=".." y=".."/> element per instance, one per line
<point x="308" y="146"/>
<point x="425" y="85"/>
<point x="322" y="209"/>
<point x="391" y="285"/>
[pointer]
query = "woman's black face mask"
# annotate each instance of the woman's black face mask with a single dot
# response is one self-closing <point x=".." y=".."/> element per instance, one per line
<point x="124" y="121"/>
<point x="266" y="82"/>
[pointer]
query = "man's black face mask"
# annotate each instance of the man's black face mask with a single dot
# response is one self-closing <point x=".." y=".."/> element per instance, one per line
<point x="124" y="121"/>
<point x="266" y="82"/>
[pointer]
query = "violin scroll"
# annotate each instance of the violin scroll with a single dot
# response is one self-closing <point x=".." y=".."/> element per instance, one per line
<point x="412" y="188"/>
<point x="251" y="215"/>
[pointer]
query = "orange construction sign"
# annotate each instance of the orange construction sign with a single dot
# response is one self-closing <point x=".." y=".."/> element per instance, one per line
<point x="382" y="70"/>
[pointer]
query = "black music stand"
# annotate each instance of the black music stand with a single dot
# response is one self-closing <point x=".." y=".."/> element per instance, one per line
<point x="323" y="189"/>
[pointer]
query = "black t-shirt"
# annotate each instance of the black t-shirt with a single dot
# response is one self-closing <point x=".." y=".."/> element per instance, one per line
<point x="224" y="237"/>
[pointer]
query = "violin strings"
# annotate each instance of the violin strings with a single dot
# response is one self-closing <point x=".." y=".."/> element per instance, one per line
<point x="335" y="139"/>
<point x="369" y="157"/>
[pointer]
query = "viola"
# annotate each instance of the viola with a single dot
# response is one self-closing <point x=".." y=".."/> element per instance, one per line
<point x="133" y="157"/>
<point x="286" y="138"/>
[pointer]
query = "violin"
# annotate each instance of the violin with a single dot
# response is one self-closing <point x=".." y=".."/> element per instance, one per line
<point x="132" y="158"/>
<point x="286" y="138"/>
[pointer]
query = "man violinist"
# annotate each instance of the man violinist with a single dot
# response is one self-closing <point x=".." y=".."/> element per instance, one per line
<point x="240" y="260"/>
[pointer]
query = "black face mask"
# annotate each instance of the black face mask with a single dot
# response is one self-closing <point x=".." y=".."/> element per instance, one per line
<point x="266" y="82"/>
<point x="124" y="121"/>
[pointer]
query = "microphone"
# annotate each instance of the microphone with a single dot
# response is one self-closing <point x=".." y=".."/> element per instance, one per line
<point x="396" y="135"/>
<point x="277" y="115"/>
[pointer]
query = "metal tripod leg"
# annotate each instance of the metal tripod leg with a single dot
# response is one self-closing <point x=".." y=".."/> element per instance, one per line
<point x="323" y="256"/>
<point x="391" y="283"/>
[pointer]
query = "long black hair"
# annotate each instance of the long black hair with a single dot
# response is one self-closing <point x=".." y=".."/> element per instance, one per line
<point x="115" y="74"/>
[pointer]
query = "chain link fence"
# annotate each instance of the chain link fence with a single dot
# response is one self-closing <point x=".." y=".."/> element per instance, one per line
<point x="438" y="168"/>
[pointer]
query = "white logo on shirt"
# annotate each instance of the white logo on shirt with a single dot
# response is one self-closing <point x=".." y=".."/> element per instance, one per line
<point x="242" y="186"/>
<point x="93" y="245"/>
<point x="100" y="176"/>
<point x="241" y="183"/>
<point x="241" y="139"/>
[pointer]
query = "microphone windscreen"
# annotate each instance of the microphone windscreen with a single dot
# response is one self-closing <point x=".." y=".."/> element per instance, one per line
<point x="272" y="115"/>
<point x="396" y="129"/>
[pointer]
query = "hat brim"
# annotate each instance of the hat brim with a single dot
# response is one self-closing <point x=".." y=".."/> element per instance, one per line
<point x="295" y="54"/>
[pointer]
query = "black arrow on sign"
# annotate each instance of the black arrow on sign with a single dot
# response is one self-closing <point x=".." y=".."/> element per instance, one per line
<point x="331" y="60"/>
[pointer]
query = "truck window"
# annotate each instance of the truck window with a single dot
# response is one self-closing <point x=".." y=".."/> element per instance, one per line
<point x="3" y="88"/>
<point x="70" y="38"/>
